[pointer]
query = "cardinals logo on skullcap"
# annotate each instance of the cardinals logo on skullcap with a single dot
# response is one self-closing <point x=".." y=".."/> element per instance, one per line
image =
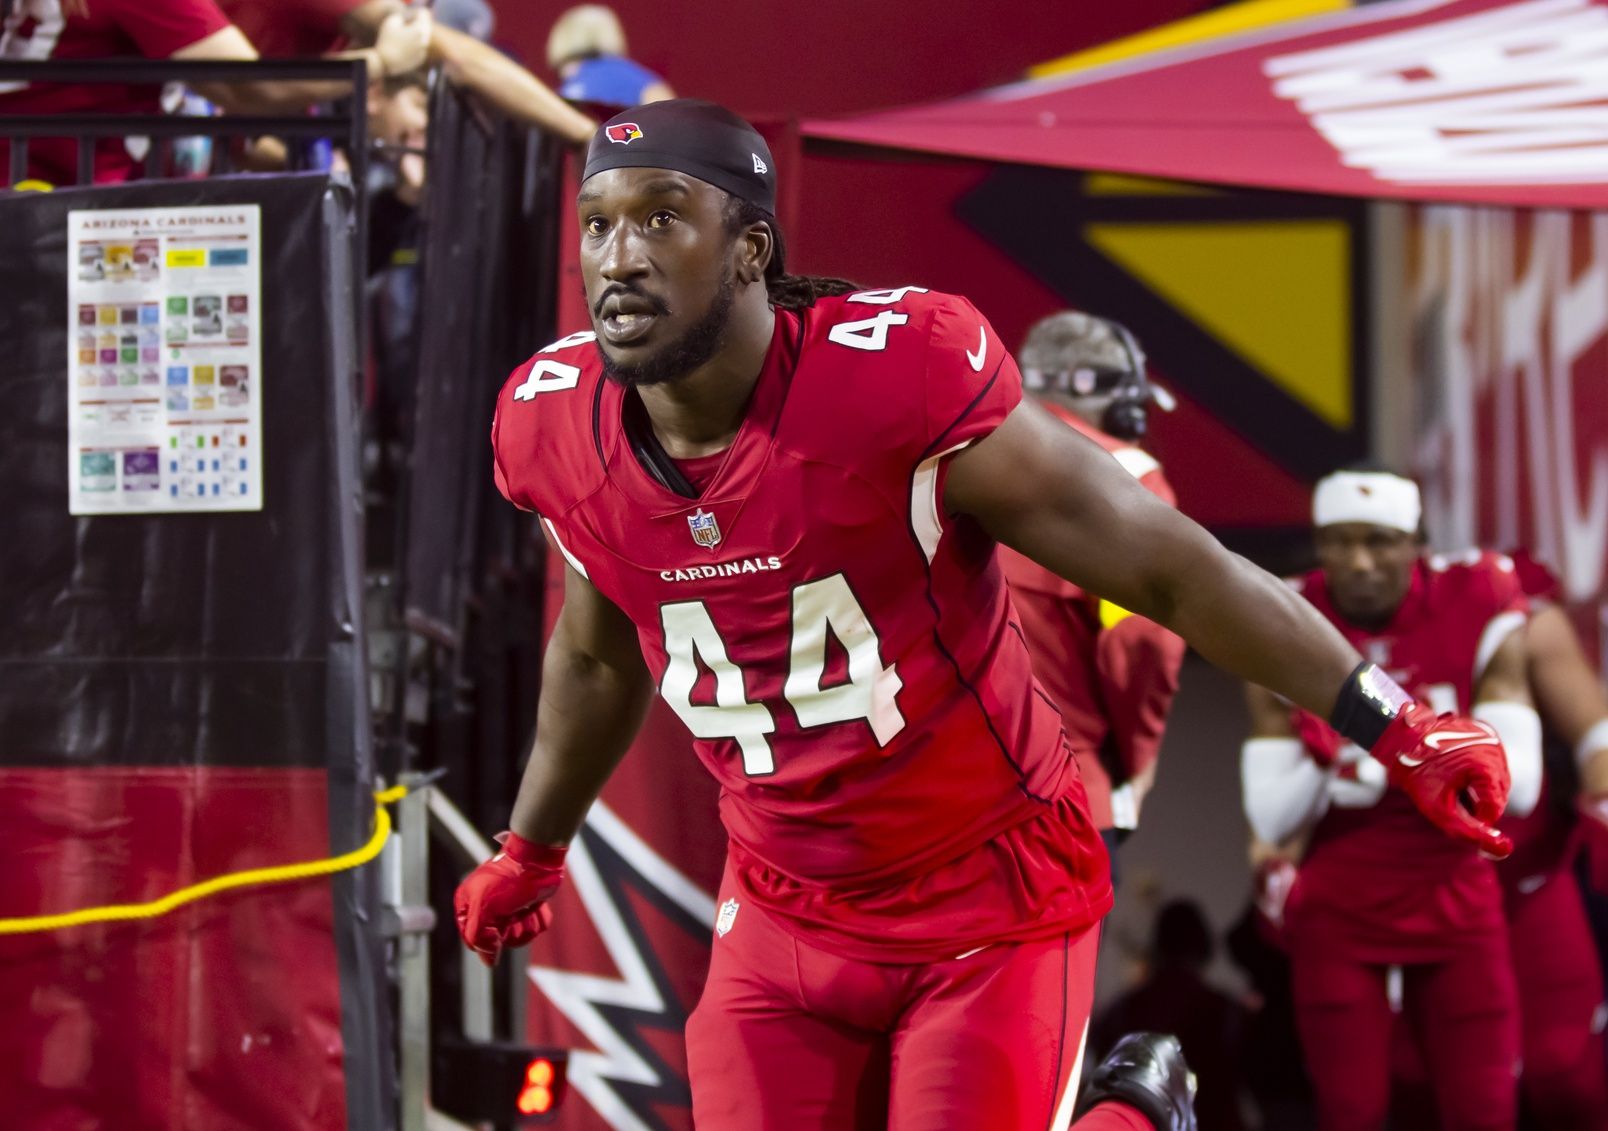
<point x="624" y="133"/>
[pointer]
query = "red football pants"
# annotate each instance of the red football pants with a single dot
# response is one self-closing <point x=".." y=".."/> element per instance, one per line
<point x="1464" y="1016"/>
<point x="789" y="1037"/>
<point x="1565" y="1079"/>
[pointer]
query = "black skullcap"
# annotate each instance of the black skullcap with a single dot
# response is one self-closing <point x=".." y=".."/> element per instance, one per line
<point x="690" y="136"/>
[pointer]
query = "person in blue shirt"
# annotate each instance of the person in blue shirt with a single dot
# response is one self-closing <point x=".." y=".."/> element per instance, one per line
<point x="587" y="50"/>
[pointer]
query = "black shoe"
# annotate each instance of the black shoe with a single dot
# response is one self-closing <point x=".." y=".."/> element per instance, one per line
<point x="1146" y="1071"/>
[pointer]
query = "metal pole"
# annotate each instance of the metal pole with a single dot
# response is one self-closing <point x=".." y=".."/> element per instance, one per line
<point x="409" y="920"/>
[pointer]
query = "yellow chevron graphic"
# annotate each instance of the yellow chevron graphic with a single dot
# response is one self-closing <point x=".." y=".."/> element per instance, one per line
<point x="1276" y="292"/>
<point x="1127" y="184"/>
<point x="1248" y="15"/>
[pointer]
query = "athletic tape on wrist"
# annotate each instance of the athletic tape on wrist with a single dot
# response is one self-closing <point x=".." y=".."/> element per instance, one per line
<point x="1369" y="702"/>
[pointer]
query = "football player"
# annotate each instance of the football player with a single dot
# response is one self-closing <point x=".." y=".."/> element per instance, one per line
<point x="1561" y="1012"/>
<point x="1384" y="910"/>
<point x="1111" y="674"/>
<point x="779" y="498"/>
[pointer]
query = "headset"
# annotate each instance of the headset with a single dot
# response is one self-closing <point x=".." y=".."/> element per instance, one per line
<point x="1127" y="417"/>
<point x="1127" y="414"/>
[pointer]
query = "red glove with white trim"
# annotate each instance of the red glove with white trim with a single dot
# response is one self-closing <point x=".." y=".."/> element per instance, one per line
<point x="503" y="902"/>
<point x="1455" y="771"/>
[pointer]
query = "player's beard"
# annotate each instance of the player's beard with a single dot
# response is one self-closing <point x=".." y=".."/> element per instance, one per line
<point x="701" y="342"/>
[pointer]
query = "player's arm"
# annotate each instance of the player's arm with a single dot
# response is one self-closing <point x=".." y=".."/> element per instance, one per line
<point x="595" y="692"/>
<point x="483" y="69"/>
<point x="1283" y="787"/>
<point x="1048" y="492"/>
<point x="1055" y="496"/>
<point x="1502" y="699"/>
<point x="399" y="49"/>
<point x="1569" y="694"/>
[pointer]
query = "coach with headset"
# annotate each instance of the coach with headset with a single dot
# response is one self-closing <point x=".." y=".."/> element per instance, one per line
<point x="1111" y="673"/>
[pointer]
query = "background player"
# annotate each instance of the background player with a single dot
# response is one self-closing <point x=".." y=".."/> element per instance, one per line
<point x="1384" y="906"/>
<point x="1565" y="1079"/>
<point x="1113" y="675"/>
<point x="779" y="503"/>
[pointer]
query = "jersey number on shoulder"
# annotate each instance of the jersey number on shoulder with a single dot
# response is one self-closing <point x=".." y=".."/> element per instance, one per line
<point x="547" y="377"/>
<point x="819" y="607"/>
<point x="872" y="333"/>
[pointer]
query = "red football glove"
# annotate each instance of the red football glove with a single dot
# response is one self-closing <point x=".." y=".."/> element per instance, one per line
<point x="1594" y="835"/>
<point x="1455" y="771"/>
<point x="503" y="901"/>
<point x="1322" y="741"/>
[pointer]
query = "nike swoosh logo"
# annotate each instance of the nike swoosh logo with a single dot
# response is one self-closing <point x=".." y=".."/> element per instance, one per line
<point x="1437" y="739"/>
<point x="976" y="359"/>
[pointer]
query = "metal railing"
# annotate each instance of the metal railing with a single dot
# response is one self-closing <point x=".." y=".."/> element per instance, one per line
<point x="348" y="125"/>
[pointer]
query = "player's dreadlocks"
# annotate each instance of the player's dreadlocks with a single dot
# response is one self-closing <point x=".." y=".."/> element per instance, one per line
<point x="787" y="292"/>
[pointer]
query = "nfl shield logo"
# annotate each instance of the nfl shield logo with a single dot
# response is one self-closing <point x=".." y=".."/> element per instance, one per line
<point x="727" y="916"/>
<point x="705" y="530"/>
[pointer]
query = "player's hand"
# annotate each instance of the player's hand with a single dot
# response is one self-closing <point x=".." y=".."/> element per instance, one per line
<point x="502" y="903"/>
<point x="1321" y="740"/>
<point x="1455" y="771"/>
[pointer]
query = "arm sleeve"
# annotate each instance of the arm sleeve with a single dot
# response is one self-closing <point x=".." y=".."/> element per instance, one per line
<point x="1137" y="663"/>
<point x="1519" y="728"/>
<point x="160" y="29"/>
<point x="971" y="383"/>
<point x="1283" y="790"/>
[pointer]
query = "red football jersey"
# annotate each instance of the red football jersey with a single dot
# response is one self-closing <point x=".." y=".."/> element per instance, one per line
<point x="1379" y="883"/>
<point x="1113" y="679"/>
<point x="39" y="30"/>
<point x="284" y="28"/>
<point x="838" y="645"/>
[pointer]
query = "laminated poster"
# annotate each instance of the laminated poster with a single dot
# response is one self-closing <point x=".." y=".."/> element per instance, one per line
<point x="164" y="360"/>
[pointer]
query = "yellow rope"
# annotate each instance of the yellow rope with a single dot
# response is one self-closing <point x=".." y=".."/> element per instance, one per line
<point x="279" y="874"/>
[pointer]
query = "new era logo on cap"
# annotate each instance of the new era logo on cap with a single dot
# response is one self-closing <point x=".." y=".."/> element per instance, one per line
<point x="623" y="133"/>
<point x="759" y="165"/>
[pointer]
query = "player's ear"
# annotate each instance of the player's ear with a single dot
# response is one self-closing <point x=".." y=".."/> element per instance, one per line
<point x="755" y="246"/>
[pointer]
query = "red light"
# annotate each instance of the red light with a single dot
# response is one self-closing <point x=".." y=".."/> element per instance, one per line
<point x="536" y="1098"/>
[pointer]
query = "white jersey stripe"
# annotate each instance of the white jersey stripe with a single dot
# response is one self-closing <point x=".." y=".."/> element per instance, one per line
<point x="1497" y="629"/>
<point x="1069" y="1097"/>
<point x="925" y="518"/>
<point x="575" y="563"/>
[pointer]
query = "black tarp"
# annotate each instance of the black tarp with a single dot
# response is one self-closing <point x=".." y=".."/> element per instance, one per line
<point x="199" y="643"/>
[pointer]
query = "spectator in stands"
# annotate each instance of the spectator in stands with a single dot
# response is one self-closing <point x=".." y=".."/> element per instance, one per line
<point x="472" y="17"/>
<point x="308" y="27"/>
<point x="1176" y="998"/>
<point x="155" y="29"/>
<point x="586" y="49"/>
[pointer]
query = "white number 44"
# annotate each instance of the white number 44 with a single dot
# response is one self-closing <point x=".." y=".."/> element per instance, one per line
<point x="819" y="607"/>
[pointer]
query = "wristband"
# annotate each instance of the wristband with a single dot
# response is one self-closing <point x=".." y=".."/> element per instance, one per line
<point x="1369" y="702"/>
<point x="529" y="854"/>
